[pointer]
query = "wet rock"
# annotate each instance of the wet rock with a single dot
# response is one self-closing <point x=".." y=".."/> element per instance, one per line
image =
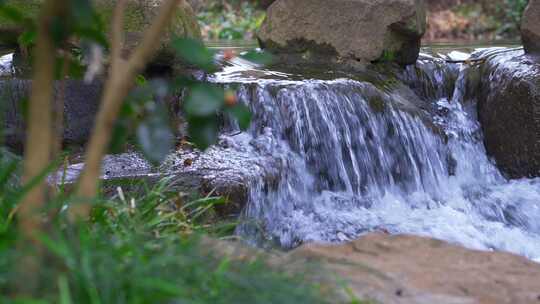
<point x="225" y="170"/>
<point x="354" y="32"/>
<point x="409" y="269"/>
<point x="530" y="28"/>
<point x="81" y="102"/>
<point x="509" y="111"/>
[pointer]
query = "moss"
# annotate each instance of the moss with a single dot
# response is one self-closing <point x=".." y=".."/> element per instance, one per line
<point x="30" y="8"/>
<point x="138" y="16"/>
<point x="376" y="103"/>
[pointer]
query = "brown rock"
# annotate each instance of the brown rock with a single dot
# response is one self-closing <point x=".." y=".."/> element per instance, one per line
<point x="530" y="27"/>
<point x="409" y="269"/>
<point x="509" y="111"/>
<point x="350" y="30"/>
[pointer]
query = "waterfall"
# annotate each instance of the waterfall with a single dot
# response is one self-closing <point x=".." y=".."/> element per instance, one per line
<point x="398" y="154"/>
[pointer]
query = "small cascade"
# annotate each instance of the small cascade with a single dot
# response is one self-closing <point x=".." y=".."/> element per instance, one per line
<point x="400" y="154"/>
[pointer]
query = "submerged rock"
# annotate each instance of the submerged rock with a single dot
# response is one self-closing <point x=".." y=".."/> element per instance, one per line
<point x="530" y="28"/>
<point x="417" y="270"/>
<point x="352" y="31"/>
<point x="509" y="111"/>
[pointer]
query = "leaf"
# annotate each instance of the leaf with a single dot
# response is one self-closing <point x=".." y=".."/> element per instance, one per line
<point x="11" y="13"/>
<point x="203" y="131"/>
<point x="28" y="38"/>
<point x="154" y="135"/>
<point x="258" y="57"/>
<point x="204" y="100"/>
<point x="242" y="114"/>
<point x="63" y="287"/>
<point x="194" y="52"/>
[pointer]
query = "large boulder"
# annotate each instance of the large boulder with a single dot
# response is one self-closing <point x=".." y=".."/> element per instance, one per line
<point x="408" y="269"/>
<point x="509" y="111"/>
<point x="350" y="31"/>
<point x="138" y="16"/>
<point x="402" y="269"/>
<point x="530" y="27"/>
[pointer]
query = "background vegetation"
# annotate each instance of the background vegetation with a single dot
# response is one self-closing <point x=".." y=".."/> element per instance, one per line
<point x="452" y="20"/>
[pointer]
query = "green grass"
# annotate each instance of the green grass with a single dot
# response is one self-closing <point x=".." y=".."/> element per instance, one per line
<point x="145" y="249"/>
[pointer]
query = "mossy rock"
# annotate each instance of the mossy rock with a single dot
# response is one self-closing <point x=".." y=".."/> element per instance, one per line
<point x="138" y="16"/>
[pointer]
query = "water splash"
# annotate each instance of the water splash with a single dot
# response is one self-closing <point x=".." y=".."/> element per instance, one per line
<point x="370" y="156"/>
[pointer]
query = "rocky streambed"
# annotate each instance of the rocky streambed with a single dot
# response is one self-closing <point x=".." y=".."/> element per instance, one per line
<point x="368" y="161"/>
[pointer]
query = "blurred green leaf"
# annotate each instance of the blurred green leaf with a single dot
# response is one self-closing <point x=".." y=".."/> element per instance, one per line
<point x="11" y="13"/>
<point x="28" y="38"/>
<point x="242" y="114"/>
<point x="203" y="131"/>
<point x="204" y="100"/>
<point x="63" y="287"/>
<point x="258" y="57"/>
<point x="194" y="52"/>
<point x="154" y="135"/>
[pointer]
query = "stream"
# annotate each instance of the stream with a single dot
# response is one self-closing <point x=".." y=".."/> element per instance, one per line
<point x="397" y="152"/>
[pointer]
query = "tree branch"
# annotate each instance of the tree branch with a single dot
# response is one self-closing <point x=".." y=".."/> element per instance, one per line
<point x="39" y="144"/>
<point x="117" y="88"/>
<point x="117" y="35"/>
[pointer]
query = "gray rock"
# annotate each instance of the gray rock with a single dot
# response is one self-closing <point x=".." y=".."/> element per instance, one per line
<point x="354" y="32"/>
<point x="81" y="102"/>
<point x="530" y="28"/>
<point x="226" y="170"/>
<point x="509" y="111"/>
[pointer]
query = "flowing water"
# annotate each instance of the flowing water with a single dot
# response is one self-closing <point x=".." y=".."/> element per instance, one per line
<point x="398" y="154"/>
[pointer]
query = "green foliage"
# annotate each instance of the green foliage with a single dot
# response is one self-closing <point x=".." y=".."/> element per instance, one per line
<point x="514" y="10"/>
<point x="82" y="21"/>
<point x="510" y="12"/>
<point x="143" y="250"/>
<point x="232" y="20"/>
<point x="205" y="102"/>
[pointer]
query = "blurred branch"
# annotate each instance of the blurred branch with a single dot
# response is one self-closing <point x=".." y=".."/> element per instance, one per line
<point x="121" y="79"/>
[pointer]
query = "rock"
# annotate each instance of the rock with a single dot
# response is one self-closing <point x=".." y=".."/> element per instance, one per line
<point x="223" y="170"/>
<point x="415" y="270"/>
<point x="265" y="4"/>
<point x="509" y="111"/>
<point x="351" y="31"/>
<point x="197" y="5"/>
<point x="81" y="103"/>
<point x="138" y="16"/>
<point x="530" y="27"/>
